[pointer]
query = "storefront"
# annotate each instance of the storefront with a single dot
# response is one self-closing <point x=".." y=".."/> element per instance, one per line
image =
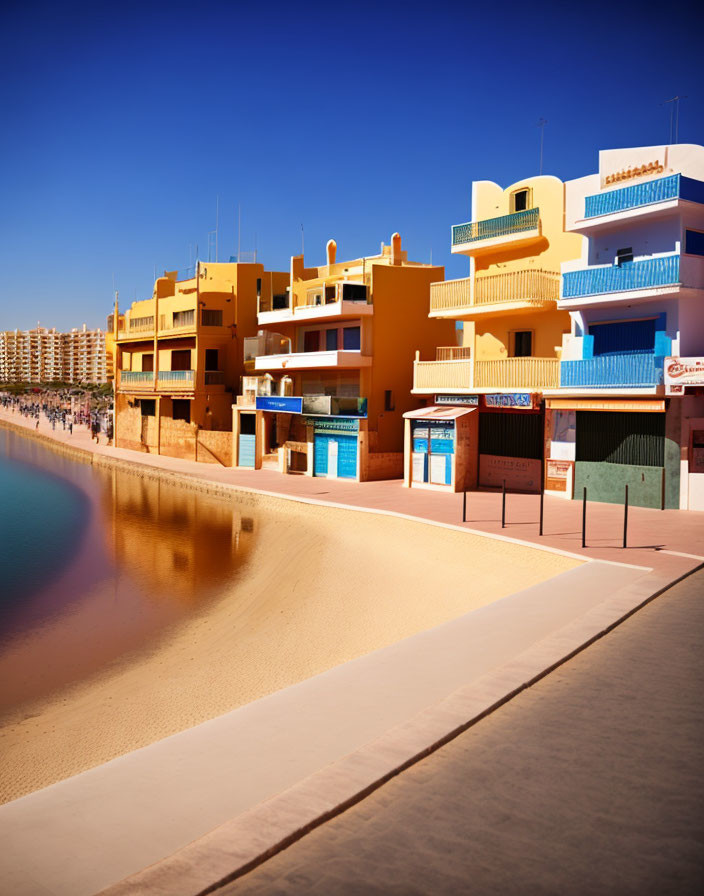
<point x="510" y="441"/>
<point x="605" y="444"/>
<point x="684" y="378"/>
<point x="441" y="448"/>
<point x="335" y="447"/>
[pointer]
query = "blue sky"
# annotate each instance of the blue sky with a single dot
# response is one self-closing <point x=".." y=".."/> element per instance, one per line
<point x="123" y="123"/>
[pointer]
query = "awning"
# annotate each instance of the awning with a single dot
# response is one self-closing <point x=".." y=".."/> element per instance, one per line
<point x="652" y="405"/>
<point x="435" y="413"/>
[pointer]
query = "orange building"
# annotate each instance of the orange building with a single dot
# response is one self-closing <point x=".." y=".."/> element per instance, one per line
<point x="180" y="359"/>
<point x="329" y="375"/>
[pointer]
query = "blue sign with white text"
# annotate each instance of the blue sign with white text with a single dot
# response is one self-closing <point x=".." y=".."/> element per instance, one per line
<point x="286" y="404"/>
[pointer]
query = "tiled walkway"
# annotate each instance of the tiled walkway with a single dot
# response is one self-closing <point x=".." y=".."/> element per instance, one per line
<point x="591" y="781"/>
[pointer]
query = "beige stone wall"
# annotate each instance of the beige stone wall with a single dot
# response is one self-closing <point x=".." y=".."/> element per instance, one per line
<point x="382" y="465"/>
<point x="215" y="447"/>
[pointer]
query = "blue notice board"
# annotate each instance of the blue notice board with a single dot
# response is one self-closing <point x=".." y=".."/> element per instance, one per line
<point x="285" y="403"/>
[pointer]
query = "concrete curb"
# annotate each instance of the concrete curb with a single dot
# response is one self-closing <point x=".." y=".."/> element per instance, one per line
<point x="240" y="845"/>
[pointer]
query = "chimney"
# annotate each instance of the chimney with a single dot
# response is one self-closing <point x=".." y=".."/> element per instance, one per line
<point x="331" y="249"/>
<point x="396" y="248"/>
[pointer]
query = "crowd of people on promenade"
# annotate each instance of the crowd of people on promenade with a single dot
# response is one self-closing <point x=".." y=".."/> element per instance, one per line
<point x="61" y="411"/>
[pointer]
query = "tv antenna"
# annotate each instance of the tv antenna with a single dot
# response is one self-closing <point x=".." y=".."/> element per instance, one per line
<point x="674" y="104"/>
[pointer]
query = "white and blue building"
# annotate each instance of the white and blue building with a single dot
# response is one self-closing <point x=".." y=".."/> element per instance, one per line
<point x="630" y="407"/>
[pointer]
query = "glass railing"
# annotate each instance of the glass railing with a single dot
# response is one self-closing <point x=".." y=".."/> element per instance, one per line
<point x="625" y="369"/>
<point x="176" y="376"/>
<point x="647" y="274"/>
<point x="676" y="186"/>
<point x="186" y="273"/>
<point x="134" y="377"/>
<point x="495" y="227"/>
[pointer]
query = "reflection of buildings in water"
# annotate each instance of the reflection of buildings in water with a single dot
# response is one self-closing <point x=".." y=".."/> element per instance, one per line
<point x="174" y="541"/>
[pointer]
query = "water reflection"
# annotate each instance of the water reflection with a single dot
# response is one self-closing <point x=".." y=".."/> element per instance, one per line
<point x="178" y="544"/>
<point x="147" y="556"/>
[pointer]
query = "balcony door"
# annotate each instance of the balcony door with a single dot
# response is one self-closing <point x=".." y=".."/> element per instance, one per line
<point x="623" y="336"/>
<point x="181" y="359"/>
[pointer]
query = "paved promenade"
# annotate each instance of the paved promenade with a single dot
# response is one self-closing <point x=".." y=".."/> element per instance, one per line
<point x="591" y="781"/>
<point x="425" y="681"/>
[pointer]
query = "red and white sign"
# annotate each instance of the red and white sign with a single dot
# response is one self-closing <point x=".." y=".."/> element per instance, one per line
<point x="681" y="372"/>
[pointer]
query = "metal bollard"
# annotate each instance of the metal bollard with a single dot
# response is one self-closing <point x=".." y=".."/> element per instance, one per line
<point x="464" y="507"/>
<point x="625" y="520"/>
<point x="542" y="496"/>
<point x="503" y="505"/>
<point x="584" y="518"/>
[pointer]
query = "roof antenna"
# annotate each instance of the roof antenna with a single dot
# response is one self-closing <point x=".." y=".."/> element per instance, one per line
<point x="541" y="124"/>
<point x="674" y="115"/>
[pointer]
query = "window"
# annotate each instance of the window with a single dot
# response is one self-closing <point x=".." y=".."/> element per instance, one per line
<point x="148" y="362"/>
<point x="520" y="200"/>
<point x="523" y="344"/>
<point x="259" y="286"/>
<point x="184" y="318"/>
<point x="148" y="407"/>
<point x="211" y="359"/>
<point x="623" y="336"/>
<point x="354" y="292"/>
<point x="389" y="400"/>
<point x="311" y="341"/>
<point x="351" y="339"/>
<point x="331" y="340"/>
<point x="248" y="424"/>
<point x="211" y="317"/>
<point x="623" y="256"/>
<point x="181" y="409"/>
<point x="694" y="242"/>
<point x="181" y="359"/>
<point x="279" y="301"/>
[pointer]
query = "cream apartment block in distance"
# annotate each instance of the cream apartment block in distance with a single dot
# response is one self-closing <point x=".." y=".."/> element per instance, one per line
<point x="44" y="355"/>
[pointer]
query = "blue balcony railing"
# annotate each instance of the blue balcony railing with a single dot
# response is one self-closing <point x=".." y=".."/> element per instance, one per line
<point x="648" y="274"/>
<point x="626" y="369"/>
<point x="676" y="186"/>
<point x="495" y="227"/>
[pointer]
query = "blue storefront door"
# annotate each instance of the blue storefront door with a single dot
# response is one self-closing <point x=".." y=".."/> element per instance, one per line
<point x="346" y="452"/>
<point x="247" y="450"/>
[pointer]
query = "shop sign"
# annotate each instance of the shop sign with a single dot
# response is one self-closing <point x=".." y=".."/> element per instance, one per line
<point x="557" y="475"/>
<point x="333" y="424"/>
<point x="509" y="400"/>
<point x="286" y="404"/>
<point x="681" y="372"/>
<point x="469" y="401"/>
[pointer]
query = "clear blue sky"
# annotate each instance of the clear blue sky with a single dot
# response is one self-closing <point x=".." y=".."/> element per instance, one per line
<point x="123" y="122"/>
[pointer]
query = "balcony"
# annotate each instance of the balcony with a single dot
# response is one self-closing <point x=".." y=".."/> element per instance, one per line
<point x="343" y="300"/>
<point x="341" y="360"/>
<point x="167" y="380"/>
<point x="624" y="370"/>
<point x="462" y="376"/>
<point x="495" y="294"/>
<point x="652" y="273"/>
<point x="644" y="196"/>
<point x="517" y="229"/>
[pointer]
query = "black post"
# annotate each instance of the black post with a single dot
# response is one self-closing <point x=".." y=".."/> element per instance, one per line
<point x="542" y="495"/>
<point x="584" y="519"/>
<point x="625" y="520"/>
<point x="503" y="505"/>
<point x="464" y="507"/>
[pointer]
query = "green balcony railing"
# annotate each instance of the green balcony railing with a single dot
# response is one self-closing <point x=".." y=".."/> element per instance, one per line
<point x="505" y="225"/>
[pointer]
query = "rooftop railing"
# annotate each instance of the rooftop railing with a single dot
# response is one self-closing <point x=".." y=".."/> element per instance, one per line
<point x="647" y="274"/>
<point x="505" y="225"/>
<point x="676" y="186"/>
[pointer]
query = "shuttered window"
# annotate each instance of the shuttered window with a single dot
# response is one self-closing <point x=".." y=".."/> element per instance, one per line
<point x="511" y="435"/>
<point x="624" y="336"/>
<point x="611" y="437"/>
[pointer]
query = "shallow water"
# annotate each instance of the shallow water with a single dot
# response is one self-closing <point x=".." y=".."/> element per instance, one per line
<point x="96" y="563"/>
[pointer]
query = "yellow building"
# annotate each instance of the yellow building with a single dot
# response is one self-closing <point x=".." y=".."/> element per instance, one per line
<point x="512" y="333"/>
<point x="329" y="375"/>
<point x="180" y="359"/>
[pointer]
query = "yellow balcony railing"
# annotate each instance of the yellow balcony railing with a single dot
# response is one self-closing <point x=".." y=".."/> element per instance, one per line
<point x="441" y="376"/>
<point x="515" y="286"/>
<point x="517" y="373"/>
<point x="534" y="287"/>
<point x="453" y="353"/>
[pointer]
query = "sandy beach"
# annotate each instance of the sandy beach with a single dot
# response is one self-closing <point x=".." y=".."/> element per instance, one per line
<point x="318" y="586"/>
